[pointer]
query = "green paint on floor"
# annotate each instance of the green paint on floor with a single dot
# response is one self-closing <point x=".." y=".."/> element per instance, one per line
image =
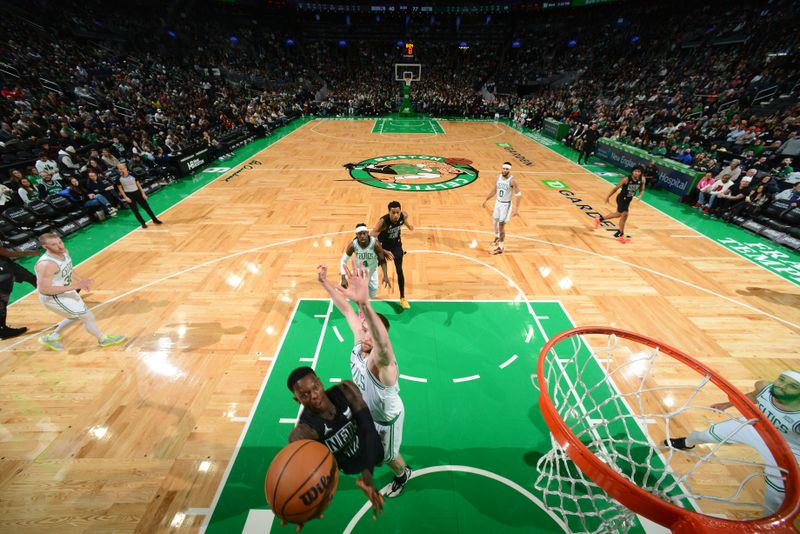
<point x="407" y="126"/>
<point x="472" y="443"/>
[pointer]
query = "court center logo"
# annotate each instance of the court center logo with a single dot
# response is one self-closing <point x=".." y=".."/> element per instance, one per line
<point x="414" y="172"/>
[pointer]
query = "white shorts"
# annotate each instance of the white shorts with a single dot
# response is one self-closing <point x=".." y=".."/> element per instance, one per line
<point x="69" y="305"/>
<point x="373" y="284"/>
<point x="737" y="431"/>
<point x="391" y="437"/>
<point x="502" y="211"/>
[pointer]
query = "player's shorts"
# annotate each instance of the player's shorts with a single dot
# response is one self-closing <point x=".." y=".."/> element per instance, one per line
<point x="373" y="284"/>
<point x="69" y="305"/>
<point x="502" y="211"/>
<point x="623" y="204"/>
<point x="738" y="431"/>
<point x="391" y="434"/>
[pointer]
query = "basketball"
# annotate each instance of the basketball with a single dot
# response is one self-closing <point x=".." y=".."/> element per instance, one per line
<point x="301" y="481"/>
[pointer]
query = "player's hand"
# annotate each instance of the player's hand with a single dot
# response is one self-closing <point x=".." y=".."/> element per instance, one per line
<point x="373" y="495"/>
<point x="389" y="256"/>
<point x="298" y="526"/>
<point x="85" y="284"/>
<point x="358" y="288"/>
<point x="607" y="199"/>
<point x="484" y="204"/>
<point x="514" y="213"/>
<point x="322" y="273"/>
<point x="387" y="283"/>
<point x="144" y="195"/>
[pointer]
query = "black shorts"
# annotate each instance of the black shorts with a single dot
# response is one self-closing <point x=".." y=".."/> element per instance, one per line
<point x="395" y="247"/>
<point x="623" y="204"/>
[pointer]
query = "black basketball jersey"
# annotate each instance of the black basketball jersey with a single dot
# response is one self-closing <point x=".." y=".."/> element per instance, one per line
<point x="391" y="230"/>
<point x="341" y="434"/>
<point x="631" y="188"/>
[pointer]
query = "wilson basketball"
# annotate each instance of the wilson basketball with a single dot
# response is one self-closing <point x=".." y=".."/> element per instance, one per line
<point x="301" y="481"/>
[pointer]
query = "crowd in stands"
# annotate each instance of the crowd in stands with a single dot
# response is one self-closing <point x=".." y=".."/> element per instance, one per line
<point x="86" y="87"/>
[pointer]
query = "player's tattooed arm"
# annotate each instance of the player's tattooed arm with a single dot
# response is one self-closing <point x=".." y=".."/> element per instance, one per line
<point x="353" y="395"/>
<point x="303" y="431"/>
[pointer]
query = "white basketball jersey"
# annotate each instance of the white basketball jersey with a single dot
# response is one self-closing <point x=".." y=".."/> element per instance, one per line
<point x="503" y="188"/>
<point x="787" y="423"/>
<point x="64" y="275"/>
<point x="366" y="257"/>
<point x="383" y="401"/>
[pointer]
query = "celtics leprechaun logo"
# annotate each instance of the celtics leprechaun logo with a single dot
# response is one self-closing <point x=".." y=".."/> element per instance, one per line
<point x="413" y="172"/>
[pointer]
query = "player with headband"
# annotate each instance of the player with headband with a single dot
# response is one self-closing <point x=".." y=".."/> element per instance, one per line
<point x="505" y="187"/>
<point x="369" y="254"/>
<point x="780" y="402"/>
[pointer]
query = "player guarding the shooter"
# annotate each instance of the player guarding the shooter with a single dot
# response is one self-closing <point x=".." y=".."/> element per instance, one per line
<point x="387" y="230"/>
<point x="369" y="254"/>
<point x="374" y="369"/>
<point x="628" y="187"/>
<point x="505" y="186"/>
<point x="780" y="402"/>
<point x="340" y="420"/>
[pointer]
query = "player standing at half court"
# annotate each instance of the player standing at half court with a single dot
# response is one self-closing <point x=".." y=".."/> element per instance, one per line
<point x="58" y="293"/>
<point x="780" y="402"/>
<point x="387" y="230"/>
<point x="369" y="254"/>
<point x="505" y="187"/>
<point x="628" y="187"/>
<point x="374" y="368"/>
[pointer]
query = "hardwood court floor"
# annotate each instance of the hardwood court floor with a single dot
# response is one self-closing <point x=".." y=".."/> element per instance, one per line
<point x="130" y="438"/>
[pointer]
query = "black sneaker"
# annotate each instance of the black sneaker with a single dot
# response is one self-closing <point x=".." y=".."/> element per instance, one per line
<point x="399" y="483"/>
<point x="678" y="443"/>
<point x="8" y="332"/>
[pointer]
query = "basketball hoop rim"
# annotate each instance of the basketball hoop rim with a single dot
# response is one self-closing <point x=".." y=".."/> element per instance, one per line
<point x="678" y="519"/>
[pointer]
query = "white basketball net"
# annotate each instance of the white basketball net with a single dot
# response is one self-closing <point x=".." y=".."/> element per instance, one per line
<point x="625" y="429"/>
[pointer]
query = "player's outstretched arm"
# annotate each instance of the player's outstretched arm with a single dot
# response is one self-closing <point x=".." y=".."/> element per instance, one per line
<point x="339" y="301"/>
<point x="358" y="291"/>
<point x="753" y="396"/>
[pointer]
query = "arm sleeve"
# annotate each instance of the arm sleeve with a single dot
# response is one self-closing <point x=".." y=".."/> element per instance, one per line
<point x="343" y="262"/>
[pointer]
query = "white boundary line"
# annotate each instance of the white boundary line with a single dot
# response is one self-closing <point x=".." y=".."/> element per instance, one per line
<point x="243" y="433"/>
<point x="414" y="378"/>
<point x="466" y="379"/>
<point x="701" y="234"/>
<point x="442" y="229"/>
<point x="508" y="362"/>
<point x="338" y="334"/>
